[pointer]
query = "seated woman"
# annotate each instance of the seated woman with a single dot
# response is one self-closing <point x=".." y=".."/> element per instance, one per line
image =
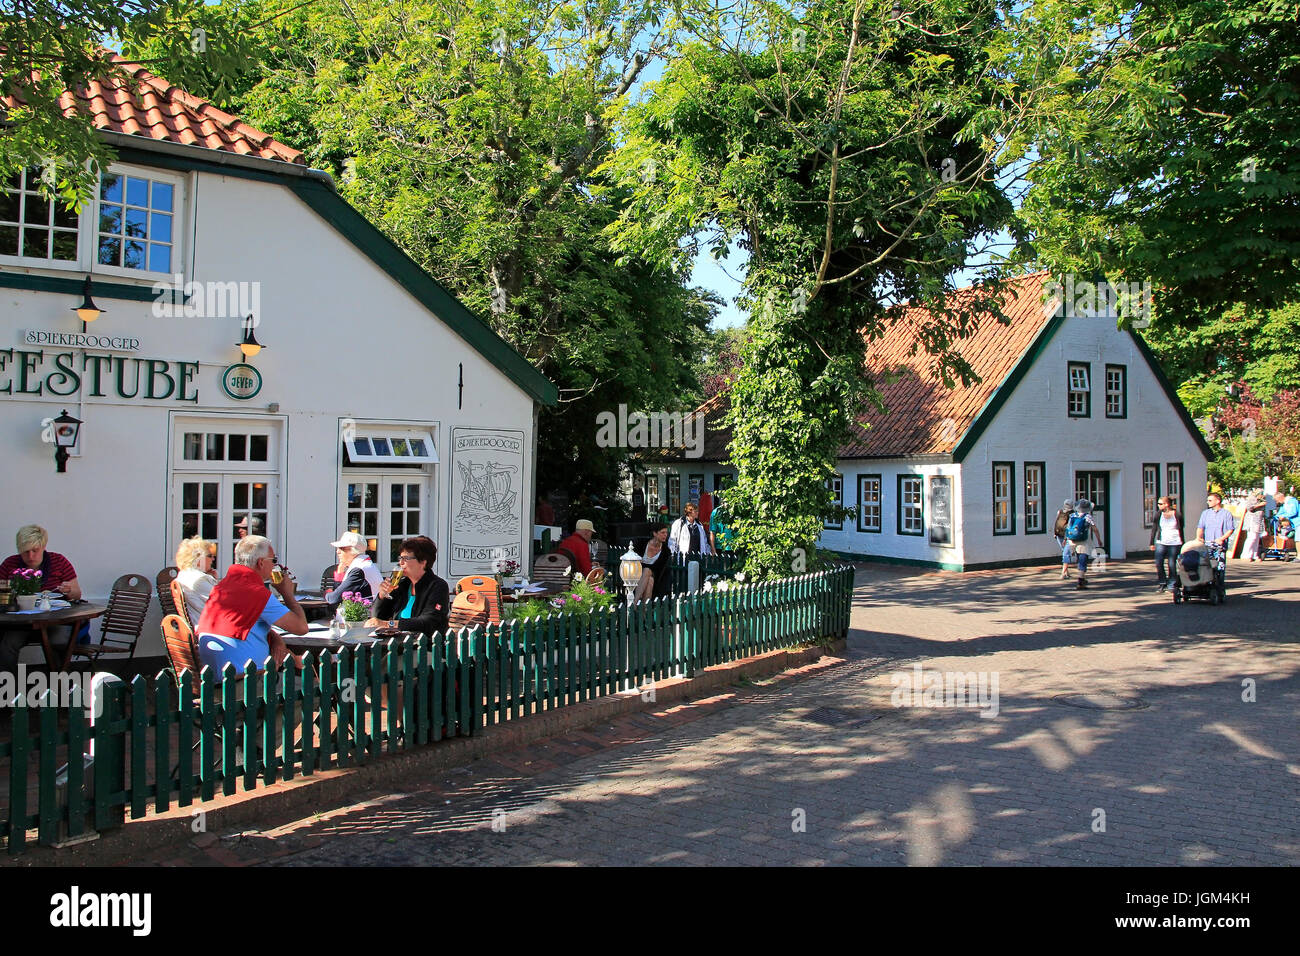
<point x="657" y="574"/>
<point x="421" y="601"/>
<point x="194" y="558"/>
<point x="57" y="574"/>
<point x="356" y="572"/>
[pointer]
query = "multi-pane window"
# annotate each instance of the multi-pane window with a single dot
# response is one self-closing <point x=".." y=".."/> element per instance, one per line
<point x="836" y="485"/>
<point x="1174" y="483"/>
<point x="384" y="510"/>
<point x="136" y="222"/>
<point x="674" y="493"/>
<point x="868" y="503"/>
<point x="32" y="226"/>
<point x="225" y="446"/>
<point x="1003" y="503"/>
<point x="910" y="520"/>
<point x="1150" y="493"/>
<point x="1035" y="512"/>
<point x="1080" y="390"/>
<point x="391" y="447"/>
<point x="1116" y="392"/>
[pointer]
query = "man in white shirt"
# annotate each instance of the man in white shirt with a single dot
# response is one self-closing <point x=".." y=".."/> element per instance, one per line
<point x="688" y="536"/>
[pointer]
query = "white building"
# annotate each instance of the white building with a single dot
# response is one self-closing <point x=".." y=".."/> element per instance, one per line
<point x="379" y="402"/>
<point x="971" y="477"/>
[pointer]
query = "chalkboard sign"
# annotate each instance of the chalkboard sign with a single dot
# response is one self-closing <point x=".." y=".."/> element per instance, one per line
<point x="941" y="510"/>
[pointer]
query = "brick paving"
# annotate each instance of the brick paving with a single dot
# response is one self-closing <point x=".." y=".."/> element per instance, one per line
<point x="1121" y="737"/>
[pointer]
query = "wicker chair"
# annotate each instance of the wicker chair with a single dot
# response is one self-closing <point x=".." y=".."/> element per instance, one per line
<point x="120" y="627"/>
<point x="162" y="582"/>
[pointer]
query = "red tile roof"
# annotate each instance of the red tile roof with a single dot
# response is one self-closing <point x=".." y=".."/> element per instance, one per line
<point x="922" y="416"/>
<point x="163" y="112"/>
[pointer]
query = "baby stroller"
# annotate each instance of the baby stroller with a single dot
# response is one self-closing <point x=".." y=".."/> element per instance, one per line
<point x="1277" y="546"/>
<point x="1201" y="573"/>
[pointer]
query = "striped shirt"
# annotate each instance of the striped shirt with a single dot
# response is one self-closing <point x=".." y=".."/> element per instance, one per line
<point x="57" y="569"/>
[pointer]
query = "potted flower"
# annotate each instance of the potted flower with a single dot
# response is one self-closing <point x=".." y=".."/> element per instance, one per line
<point x="507" y="571"/>
<point x="354" y="611"/>
<point x="26" y="584"/>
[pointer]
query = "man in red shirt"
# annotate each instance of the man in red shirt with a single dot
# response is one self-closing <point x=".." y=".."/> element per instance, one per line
<point x="57" y="574"/>
<point x="577" y="546"/>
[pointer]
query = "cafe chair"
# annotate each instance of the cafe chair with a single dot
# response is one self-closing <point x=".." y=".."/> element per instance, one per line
<point x="120" y="627"/>
<point x="162" y="581"/>
<point x="552" y="569"/>
<point x="468" y="609"/>
<point x="182" y="606"/>
<point x="488" y="588"/>
<point x="327" y="582"/>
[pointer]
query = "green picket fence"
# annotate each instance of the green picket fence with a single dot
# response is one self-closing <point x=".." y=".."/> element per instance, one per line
<point x="180" y="740"/>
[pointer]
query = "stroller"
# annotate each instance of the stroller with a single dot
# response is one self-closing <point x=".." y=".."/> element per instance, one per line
<point x="1276" y="545"/>
<point x="1200" y="575"/>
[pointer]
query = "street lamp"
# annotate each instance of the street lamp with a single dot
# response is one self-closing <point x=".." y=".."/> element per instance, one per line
<point x="87" y="311"/>
<point x="65" y="437"/>
<point x="249" y="344"/>
<point x="629" y="570"/>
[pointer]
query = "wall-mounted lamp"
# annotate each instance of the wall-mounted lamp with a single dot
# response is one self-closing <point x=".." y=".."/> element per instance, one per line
<point x="249" y="345"/>
<point x="87" y="311"/>
<point x="65" y="436"/>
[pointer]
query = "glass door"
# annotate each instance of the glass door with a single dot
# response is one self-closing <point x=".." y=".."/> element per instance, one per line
<point x="384" y="509"/>
<point x="212" y="506"/>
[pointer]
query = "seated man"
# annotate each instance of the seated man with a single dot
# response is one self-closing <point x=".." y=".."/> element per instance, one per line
<point x="577" y="546"/>
<point x="359" y="573"/>
<point x="236" y="623"/>
<point x="57" y="574"/>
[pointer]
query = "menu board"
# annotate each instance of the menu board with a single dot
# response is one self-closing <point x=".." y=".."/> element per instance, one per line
<point x="941" y="510"/>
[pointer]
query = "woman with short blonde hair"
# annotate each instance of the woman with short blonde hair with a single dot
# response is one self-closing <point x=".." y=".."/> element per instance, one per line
<point x="194" y="561"/>
<point x="57" y="574"/>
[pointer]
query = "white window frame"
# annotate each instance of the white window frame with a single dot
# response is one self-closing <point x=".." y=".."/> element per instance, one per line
<point x="911" y="514"/>
<point x="383" y="522"/>
<point x="77" y="265"/>
<point x="835" y="483"/>
<point x="876" y="502"/>
<point x="227" y="427"/>
<point x="1003" y="504"/>
<point x="391" y="435"/>
<point x="180" y="216"/>
<point x="1035" y="504"/>
<point x="1119" y="394"/>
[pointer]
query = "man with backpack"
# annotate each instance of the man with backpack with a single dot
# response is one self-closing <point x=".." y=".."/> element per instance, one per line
<point x="1078" y="531"/>
<point x="1062" y="542"/>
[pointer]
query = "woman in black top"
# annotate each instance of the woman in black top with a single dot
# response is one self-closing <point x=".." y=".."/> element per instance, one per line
<point x="421" y="601"/>
<point x="657" y="576"/>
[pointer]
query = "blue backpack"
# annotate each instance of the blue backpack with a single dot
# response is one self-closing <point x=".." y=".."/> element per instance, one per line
<point x="1077" y="529"/>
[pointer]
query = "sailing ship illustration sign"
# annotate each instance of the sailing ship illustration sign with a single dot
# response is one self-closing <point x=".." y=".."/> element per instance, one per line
<point x="487" y="472"/>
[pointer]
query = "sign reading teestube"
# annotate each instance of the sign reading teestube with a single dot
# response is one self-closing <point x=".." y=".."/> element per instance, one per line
<point x="486" y="498"/>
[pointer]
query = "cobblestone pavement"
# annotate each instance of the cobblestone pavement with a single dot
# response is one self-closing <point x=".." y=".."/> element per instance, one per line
<point x="1121" y="736"/>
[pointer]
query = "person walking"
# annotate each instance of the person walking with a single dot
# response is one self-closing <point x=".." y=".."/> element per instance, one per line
<point x="688" y="536"/>
<point x="1080" y="529"/>
<point x="1167" y="540"/>
<point x="1063" y="519"/>
<point x="1252" y="524"/>
<point x="1216" y="524"/>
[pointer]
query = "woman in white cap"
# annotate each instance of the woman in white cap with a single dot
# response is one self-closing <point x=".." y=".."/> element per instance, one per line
<point x="361" y="576"/>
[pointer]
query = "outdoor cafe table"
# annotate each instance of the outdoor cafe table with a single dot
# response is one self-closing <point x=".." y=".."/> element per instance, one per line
<point x="550" y="591"/>
<point x="43" y="620"/>
<point x="313" y="604"/>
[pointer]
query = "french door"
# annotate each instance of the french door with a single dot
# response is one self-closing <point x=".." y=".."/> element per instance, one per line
<point x="384" y="509"/>
<point x="212" y="505"/>
<point x="1095" y="486"/>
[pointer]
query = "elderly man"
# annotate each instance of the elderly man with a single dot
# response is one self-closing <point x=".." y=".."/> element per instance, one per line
<point x="236" y="623"/>
<point x="577" y="546"/>
<point x="1287" y="507"/>
<point x="249" y="525"/>
<point x="360" y="576"/>
<point x="688" y="536"/>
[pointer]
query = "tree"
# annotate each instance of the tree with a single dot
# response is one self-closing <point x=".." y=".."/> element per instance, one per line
<point x="471" y="135"/>
<point x="48" y="47"/>
<point x="854" y="153"/>
<point x="1170" y="154"/>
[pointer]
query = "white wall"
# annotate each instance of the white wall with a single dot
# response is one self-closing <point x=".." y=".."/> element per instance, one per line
<point x="888" y="542"/>
<point x="343" y="340"/>
<point x="1034" y="425"/>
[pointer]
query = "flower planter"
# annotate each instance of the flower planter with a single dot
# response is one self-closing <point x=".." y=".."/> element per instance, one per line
<point x="27" y="602"/>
